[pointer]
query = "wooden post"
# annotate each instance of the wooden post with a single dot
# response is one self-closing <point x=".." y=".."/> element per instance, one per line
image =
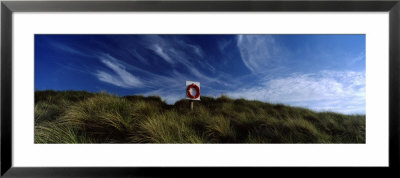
<point x="191" y="105"/>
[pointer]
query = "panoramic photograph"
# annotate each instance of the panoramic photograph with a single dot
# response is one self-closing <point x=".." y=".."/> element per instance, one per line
<point x="199" y="88"/>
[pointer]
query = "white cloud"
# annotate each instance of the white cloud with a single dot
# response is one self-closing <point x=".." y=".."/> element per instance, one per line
<point x="259" y="52"/>
<point x="68" y="49"/>
<point x="108" y="78"/>
<point x="192" y="48"/>
<point x="324" y="91"/>
<point x="138" y="56"/>
<point x="222" y="45"/>
<point x="162" y="53"/>
<point x="178" y="51"/>
<point x="121" y="78"/>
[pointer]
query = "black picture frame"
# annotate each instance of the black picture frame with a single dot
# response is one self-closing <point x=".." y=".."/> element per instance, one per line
<point x="8" y="7"/>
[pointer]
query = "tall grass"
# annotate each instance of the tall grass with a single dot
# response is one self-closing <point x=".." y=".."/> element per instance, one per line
<point x="83" y="117"/>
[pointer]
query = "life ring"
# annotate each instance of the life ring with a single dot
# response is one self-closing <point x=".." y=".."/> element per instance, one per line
<point x="197" y="91"/>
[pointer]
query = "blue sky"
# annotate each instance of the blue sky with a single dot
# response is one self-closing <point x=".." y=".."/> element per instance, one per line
<point x="320" y="72"/>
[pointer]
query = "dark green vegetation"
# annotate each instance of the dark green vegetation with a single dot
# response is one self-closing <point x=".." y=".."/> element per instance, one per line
<point x="82" y="117"/>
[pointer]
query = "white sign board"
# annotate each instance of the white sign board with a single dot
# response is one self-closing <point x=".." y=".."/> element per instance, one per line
<point x="192" y="90"/>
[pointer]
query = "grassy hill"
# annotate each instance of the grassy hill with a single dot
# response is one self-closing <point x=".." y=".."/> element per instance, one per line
<point x="83" y="117"/>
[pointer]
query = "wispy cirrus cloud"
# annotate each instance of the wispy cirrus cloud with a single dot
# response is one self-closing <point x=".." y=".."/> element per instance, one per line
<point x="162" y="52"/>
<point x="178" y="53"/>
<point x="192" y="48"/>
<point x="172" y="51"/>
<point x="259" y="52"/>
<point x="120" y="76"/>
<point x="340" y="91"/>
<point x="223" y="45"/>
<point x="138" y="56"/>
<point x="69" y="49"/>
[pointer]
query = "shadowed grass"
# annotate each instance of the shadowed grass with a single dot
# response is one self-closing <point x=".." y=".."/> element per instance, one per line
<point x="167" y="127"/>
<point x="53" y="132"/>
<point x="103" y="117"/>
<point x="82" y="117"/>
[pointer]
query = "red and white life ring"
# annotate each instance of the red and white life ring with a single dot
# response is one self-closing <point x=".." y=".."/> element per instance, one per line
<point x="197" y="91"/>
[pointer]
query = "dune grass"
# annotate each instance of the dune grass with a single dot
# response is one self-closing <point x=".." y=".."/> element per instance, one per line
<point x="83" y="117"/>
